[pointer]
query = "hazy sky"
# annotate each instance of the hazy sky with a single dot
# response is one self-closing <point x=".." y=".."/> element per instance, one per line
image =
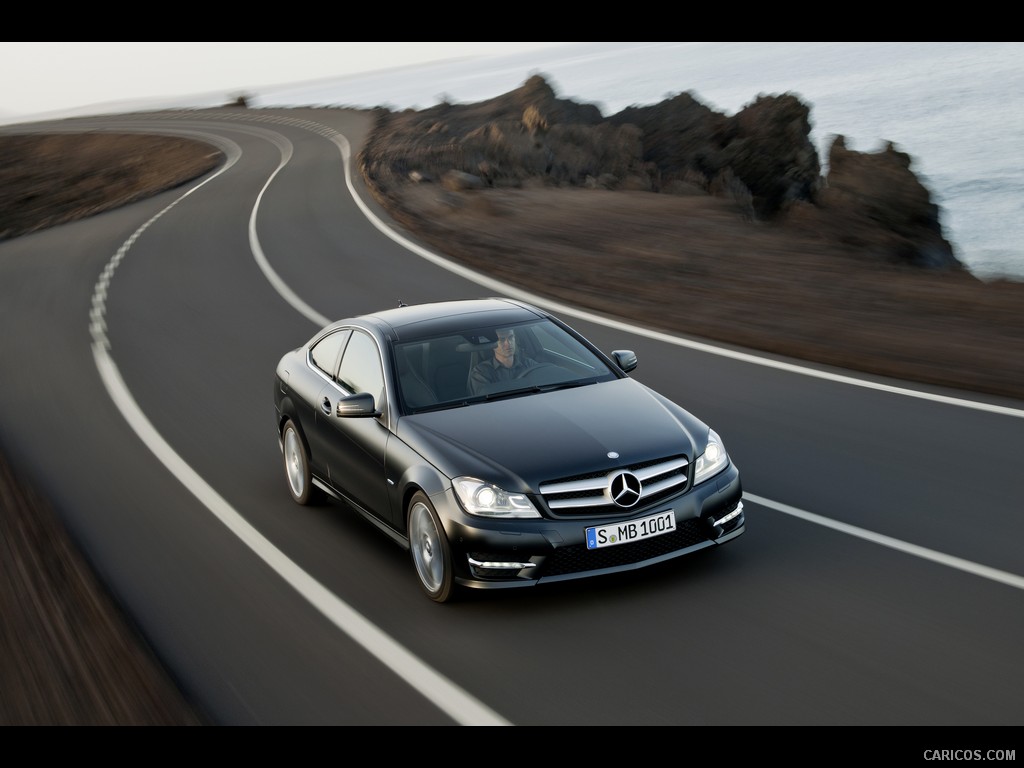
<point x="43" y="77"/>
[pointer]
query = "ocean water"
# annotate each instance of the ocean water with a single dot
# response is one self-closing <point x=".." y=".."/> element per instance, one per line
<point x="956" y="108"/>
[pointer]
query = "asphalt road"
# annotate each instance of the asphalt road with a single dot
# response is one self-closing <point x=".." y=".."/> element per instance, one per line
<point x="880" y="580"/>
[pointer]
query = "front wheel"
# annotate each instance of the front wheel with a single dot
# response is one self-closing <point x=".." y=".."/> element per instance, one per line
<point x="296" y="466"/>
<point x="431" y="554"/>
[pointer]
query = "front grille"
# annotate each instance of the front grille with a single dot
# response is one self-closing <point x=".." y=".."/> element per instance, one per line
<point x="578" y="559"/>
<point x="584" y="494"/>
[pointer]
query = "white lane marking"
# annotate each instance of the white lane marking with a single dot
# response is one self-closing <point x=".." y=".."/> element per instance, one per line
<point x="455" y="702"/>
<point x="442" y="692"/>
<point x="98" y="307"/>
<point x="565" y="309"/>
<point x="278" y="284"/>
<point x="994" y="574"/>
<point x="912" y="549"/>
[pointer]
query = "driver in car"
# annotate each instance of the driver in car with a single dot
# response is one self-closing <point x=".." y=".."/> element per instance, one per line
<point x="505" y="365"/>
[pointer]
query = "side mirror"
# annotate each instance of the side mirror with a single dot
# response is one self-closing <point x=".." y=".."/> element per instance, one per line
<point x="359" y="404"/>
<point x="625" y="359"/>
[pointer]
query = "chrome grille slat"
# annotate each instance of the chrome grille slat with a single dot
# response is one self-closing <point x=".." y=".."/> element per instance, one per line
<point x="590" y="501"/>
<point x="590" y="491"/>
<point x="652" y="488"/>
<point x="576" y="486"/>
<point x="660" y="469"/>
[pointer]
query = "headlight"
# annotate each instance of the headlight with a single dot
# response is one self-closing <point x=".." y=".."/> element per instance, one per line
<point x="486" y="500"/>
<point x="712" y="461"/>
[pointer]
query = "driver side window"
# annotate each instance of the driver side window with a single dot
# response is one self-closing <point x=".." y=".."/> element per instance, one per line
<point x="361" y="369"/>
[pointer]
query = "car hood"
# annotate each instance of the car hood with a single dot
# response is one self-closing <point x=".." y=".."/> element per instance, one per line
<point x="519" y="442"/>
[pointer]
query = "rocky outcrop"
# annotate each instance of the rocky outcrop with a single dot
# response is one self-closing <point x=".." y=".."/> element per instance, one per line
<point x="766" y="148"/>
<point x="876" y="202"/>
<point x="761" y="158"/>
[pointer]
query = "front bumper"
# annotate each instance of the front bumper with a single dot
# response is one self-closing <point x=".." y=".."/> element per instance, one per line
<point x="496" y="554"/>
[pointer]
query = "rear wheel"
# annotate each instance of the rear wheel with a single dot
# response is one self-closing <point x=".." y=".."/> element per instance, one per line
<point x="431" y="553"/>
<point x="296" y="466"/>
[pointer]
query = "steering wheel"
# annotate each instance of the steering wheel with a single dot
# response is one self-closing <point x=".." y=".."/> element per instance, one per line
<point x="528" y="372"/>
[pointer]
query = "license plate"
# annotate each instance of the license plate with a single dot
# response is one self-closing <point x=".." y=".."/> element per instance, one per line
<point x="631" y="530"/>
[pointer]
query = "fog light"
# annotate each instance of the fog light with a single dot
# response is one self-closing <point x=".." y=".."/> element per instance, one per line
<point x="499" y="565"/>
<point x="730" y="516"/>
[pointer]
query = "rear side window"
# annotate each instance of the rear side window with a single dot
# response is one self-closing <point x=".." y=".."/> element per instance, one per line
<point x="326" y="352"/>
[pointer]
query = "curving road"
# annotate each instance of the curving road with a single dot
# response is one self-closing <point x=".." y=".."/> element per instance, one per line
<point x="880" y="581"/>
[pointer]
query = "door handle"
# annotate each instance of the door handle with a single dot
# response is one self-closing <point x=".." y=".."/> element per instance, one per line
<point x="325" y="406"/>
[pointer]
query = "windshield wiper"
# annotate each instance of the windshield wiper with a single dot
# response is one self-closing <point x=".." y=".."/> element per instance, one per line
<point x="537" y="388"/>
<point x="568" y="385"/>
<point x="513" y="392"/>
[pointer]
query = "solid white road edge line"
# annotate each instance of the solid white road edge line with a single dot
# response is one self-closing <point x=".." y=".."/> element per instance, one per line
<point x="958" y="563"/>
<point x="434" y="687"/>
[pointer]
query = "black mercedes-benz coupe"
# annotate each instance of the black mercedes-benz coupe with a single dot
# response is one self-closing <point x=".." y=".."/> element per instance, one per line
<point x="499" y="446"/>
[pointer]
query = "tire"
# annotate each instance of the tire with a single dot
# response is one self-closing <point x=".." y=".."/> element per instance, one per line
<point x="296" y="466"/>
<point x="431" y="554"/>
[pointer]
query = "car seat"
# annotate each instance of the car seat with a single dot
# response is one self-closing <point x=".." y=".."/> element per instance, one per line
<point x="447" y="369"/>
<point x="416" y="392"/>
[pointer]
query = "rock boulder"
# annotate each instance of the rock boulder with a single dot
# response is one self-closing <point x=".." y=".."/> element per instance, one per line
<point x="761" y="159"/>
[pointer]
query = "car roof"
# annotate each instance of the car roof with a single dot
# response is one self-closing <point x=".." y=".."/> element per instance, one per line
<point x="408" y="323"/>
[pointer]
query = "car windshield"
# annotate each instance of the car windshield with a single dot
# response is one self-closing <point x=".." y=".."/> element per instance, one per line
<point x="481" y="364"/>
